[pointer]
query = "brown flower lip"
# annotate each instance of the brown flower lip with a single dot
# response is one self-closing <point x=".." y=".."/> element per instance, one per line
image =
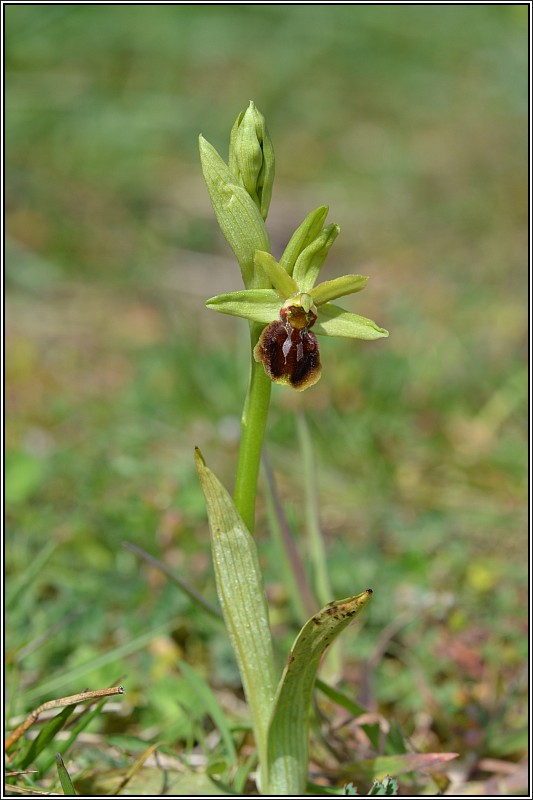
<point x="289" y="351"/>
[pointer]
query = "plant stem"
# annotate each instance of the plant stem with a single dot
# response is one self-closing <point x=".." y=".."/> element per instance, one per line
<point x="253" y="424"/>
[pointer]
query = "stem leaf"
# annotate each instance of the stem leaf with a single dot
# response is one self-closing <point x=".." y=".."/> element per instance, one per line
<point x="238" y="216"/>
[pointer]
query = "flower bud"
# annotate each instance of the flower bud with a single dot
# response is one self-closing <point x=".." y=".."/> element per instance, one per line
<point x="251" y="157"/>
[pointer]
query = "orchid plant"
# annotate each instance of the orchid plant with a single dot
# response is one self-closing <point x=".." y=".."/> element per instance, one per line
<point x="286" y="309"/>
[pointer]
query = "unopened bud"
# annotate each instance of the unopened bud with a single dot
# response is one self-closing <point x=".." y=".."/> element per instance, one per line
<point x="251" y="157"/>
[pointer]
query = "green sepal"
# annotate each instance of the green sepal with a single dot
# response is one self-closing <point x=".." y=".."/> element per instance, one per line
<point x="279" y="278"/>
<point x="335" y="321"/>
<point x="233" y="163"/>
<point x="257" y="305"/>
<point x="238" y="216"/>
<point x="310" y="260"/>
<point x="303" y="236"/>
<point x="288" y="732"/>
<point x="338" y="287"/>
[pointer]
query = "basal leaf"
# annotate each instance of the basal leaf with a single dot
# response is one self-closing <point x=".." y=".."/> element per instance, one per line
<point x="288" y="734"/>
<point x="242" y="599"/>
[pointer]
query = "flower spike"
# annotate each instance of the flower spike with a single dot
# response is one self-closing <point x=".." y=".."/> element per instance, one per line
<point x="282" y="296"/>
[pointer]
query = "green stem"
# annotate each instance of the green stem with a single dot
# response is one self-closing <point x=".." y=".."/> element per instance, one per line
<point x="253" y="424"/>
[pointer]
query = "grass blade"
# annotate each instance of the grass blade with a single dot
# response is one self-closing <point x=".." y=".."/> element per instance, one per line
<point x="290" y="562"/>
<point x="64" y="777"/>
<point x="193" y="595"/>
<point x="341" y="699"/>
<point x="377" y="769"/>
<point x="81" y="723"/>
<point x="317" y="549"/>
<point x="95" y="663"/>
<point x="211" y="706"/>
<point x="20" y="589"/>
<point x="45" y="736"/>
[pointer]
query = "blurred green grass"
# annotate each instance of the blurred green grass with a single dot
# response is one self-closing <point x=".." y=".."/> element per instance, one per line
<point x="411" y="123"/>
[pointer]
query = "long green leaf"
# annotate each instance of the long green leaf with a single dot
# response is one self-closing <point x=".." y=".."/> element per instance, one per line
<point x="242" y="599"/>
<point x="288" y="746"/>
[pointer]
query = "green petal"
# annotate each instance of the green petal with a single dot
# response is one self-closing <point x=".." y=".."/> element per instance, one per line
<point x="338" y="287"/>
<point x="259" y="305"/>
<point x="303" y="236"/>
<point x="310" y="260"/>
<point x="335" y="321"/>
<point x="286" y="286"/>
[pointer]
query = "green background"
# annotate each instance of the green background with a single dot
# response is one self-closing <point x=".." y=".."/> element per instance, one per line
<point x="410" y="122"/>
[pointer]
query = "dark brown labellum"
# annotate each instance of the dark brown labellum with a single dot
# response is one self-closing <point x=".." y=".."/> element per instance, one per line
<point x="289" y="355"/>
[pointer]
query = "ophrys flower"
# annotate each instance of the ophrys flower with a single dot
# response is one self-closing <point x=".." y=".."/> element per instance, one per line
<point x="287" y="347"/>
